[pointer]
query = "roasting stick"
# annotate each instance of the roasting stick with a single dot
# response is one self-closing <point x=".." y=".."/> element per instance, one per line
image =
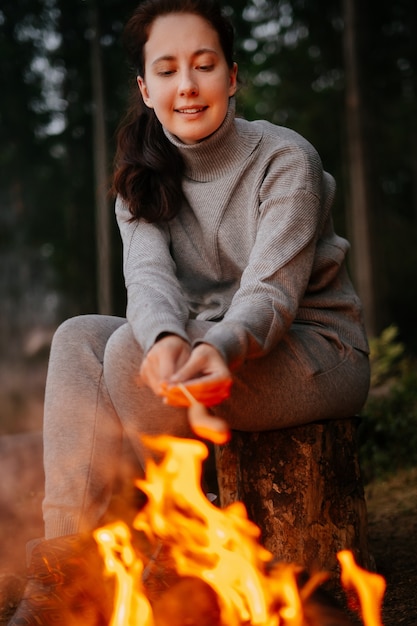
<point x="203" y="423"/>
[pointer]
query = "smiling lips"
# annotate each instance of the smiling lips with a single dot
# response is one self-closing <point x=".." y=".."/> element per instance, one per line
<point x="191" y="110"/>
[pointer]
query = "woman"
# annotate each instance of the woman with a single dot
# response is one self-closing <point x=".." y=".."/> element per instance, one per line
<point x="232" y="269"/>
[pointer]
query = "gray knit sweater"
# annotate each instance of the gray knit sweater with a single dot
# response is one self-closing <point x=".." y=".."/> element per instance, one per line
<point x="253" y="249"/>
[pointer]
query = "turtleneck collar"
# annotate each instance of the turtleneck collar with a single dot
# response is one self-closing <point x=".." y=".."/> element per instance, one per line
<point x="225" y="150"/>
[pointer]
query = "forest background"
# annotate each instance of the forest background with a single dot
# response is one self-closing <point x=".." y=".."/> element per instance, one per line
<point x="343" y="73"/>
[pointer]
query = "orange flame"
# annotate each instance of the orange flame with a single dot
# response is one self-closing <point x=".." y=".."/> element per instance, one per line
<point x="218" y="546"/>
<point x="369" y="587"/>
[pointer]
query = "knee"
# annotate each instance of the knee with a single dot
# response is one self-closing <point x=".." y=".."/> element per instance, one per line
<point x="123" y="355"/>
<point x="71" y="332"/>
<point x="81" y="334"/>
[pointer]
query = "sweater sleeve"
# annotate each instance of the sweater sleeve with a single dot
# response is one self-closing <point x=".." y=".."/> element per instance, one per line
<point x="292" y="211"/>
<point x="155" y="302"/>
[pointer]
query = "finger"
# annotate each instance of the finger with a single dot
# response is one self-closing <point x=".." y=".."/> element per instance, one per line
<point x="207" y="393"/>
<point x="198" y="369"/>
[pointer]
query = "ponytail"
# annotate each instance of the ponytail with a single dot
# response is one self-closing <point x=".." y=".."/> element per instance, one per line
<point x="148" y="168"/>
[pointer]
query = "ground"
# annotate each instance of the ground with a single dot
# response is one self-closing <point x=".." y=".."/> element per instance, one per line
<point x="392" y="511"/>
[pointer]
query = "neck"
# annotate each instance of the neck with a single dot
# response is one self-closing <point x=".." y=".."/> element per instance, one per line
<point x="217" y="154"/>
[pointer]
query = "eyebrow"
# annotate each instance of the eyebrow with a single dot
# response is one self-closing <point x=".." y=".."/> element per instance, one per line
<point x="199" y="52"/>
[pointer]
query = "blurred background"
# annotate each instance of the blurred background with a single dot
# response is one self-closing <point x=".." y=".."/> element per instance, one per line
<point x="343" y="73"/>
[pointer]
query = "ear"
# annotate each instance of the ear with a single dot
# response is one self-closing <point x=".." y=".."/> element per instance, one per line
<point x="233" y="80"/>
<point x="144" y="91"/>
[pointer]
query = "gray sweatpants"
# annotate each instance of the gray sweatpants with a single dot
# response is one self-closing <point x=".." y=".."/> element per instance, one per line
<point x="94" y="395"/>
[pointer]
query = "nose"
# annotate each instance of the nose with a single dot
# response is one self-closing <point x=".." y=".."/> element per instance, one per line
<point x="188" y="85"/>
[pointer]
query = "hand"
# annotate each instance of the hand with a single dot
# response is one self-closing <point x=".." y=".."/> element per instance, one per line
<point x="205" y="365"/>
<point x="204" y="380"/>
<point x="165" y="358"/>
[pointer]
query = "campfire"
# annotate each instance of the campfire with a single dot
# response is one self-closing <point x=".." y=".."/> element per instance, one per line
<point x="218" y="572"/>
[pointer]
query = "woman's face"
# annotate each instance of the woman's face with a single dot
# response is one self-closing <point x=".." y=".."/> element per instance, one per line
<point x="187" y="80"/>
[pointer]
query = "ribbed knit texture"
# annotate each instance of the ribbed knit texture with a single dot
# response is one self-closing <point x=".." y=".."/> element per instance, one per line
<point x="253" y="248"/>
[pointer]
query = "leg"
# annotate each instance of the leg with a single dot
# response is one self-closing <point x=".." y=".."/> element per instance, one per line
<point x="309" y="376"/>
<point x="82" y="433"/>
<point x="82" y="439"/>
<point x="139" y="410"/>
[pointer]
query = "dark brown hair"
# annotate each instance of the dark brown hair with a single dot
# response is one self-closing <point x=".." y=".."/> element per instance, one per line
<point x="148" y="168"/>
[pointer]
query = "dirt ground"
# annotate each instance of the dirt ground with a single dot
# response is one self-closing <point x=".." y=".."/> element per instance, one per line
<point x="392" y="512"/>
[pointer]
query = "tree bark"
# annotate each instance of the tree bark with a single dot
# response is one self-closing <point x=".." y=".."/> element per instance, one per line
<point x="303" y="488"/>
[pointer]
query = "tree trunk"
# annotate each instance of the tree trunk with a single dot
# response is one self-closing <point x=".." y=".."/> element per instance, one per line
<point x="302" y="486"/>
<point x="103" y="237"/>
<point x="412" y="108"/>
<point x="358" y="205"/>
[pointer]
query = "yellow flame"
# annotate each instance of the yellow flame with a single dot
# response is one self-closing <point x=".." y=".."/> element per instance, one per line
<point x="369" y="587"/>
<point x="131" y="607"/>
<point x="219" y="546"/>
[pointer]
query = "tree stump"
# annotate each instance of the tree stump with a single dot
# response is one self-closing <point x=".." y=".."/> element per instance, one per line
<point x="303" y="487"/>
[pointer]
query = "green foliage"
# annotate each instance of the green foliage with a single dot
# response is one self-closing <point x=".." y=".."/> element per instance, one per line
<point x="388" y="432"/>
<point x="386" y="353"/>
